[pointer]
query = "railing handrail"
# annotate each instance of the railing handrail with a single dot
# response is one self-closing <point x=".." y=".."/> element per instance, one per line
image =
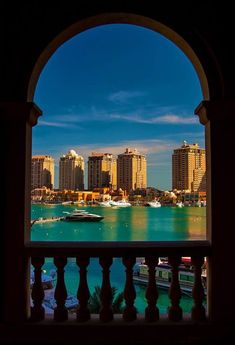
<point x="118" y="249"/>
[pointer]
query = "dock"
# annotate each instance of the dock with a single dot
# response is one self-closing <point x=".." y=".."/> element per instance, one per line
<point x="46" y="220"/>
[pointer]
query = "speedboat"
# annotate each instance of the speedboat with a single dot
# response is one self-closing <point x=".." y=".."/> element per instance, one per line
<point x="154" y="203"/>
<point x="82" y="216"/>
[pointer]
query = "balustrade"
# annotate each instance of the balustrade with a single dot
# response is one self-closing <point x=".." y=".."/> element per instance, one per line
<point x="60" y="313"/>
<point x="175" y="311"/>
<point x="37" y="311"/>
<point x="106" y="313"/>
<point x="151" y="311"/>
<point x="83" y="294"/>
<point x="129" y="313"/>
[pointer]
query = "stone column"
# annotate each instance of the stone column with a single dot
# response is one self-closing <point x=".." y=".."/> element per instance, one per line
<point x="17" y="120"/>
<point x="218" y="118"/>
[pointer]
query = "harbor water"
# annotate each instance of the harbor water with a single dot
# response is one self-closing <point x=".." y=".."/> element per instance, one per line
<point x="119" y="224"/>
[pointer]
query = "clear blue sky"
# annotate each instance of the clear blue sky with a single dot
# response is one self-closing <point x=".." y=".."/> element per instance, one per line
<point x="118" y="86"/>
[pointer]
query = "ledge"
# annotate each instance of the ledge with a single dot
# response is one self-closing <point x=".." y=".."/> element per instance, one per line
<point x="118" y="249"/>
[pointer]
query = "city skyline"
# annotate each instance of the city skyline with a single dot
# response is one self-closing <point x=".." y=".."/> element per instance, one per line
<point x="126" y="170"/>
<point x="118" y="86"/>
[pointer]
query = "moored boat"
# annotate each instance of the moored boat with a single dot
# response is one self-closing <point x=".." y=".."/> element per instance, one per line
<point x="179" y="204"/>
<point x="104" y="203"/>
<point x="154" y="203"/>
<point x="120" y="203"/>
<point x="164" y="275"/>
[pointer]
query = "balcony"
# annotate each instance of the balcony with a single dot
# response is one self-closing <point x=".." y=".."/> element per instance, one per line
<point x="92" y="327"/>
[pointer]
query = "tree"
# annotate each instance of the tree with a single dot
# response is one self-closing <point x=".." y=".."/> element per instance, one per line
<point x="94" y="303"/>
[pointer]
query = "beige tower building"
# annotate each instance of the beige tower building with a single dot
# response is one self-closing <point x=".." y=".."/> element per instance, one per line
<point x="42" y="172"/>
<point x="102" y="171"/>
<point x="131" y="170"/>
<point x="189" y="168"/>
<point x="71" y="171"/>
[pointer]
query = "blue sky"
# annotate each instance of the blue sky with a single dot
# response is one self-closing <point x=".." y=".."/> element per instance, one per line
<point x="118" y="86"/>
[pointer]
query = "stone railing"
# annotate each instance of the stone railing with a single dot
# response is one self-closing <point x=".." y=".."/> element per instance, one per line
<point x="128" y="251"/>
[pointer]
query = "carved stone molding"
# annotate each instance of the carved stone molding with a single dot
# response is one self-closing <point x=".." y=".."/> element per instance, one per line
<point x="216" y="111"/>
<point x="20" y="111"/>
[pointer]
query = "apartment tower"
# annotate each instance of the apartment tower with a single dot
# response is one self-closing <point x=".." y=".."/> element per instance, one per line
<point x="42" y="172"/>
<point x="189" y="168"/>
<point x="71" y="171"/>
<point x="102" y="171"/>
<point x="131" y="170"/>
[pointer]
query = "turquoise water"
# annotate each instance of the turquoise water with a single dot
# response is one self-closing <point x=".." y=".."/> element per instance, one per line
<point x="123" y="224"/>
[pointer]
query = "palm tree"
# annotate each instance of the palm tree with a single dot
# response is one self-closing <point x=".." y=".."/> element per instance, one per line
<point x="94" y="303"/>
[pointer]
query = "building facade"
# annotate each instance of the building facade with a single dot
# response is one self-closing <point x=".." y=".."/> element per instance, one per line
<point x="189" y="168"/>
<point x="131" y="170"/>
<point x="102" y="171"/>
<point x="71" y="171"/>
<point x="42" y="172"/>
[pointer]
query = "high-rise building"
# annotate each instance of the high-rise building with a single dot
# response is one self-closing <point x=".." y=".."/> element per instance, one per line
<point x="42" y="172"/>
<point x="189" y="168"/>
<point x="131" y="170"/>
<point x="102" y="171"/>
<point x="71" y="171"/>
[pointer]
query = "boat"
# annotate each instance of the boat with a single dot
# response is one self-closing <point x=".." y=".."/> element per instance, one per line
<point x="164" y="275"/>
<point x="104" y="203"/>
<point x="154" y="203"/>
<point x="71" y="302"/>
<point x="120" y="203"/>
<point x="67" y="203"/>
<point x="179" y="204"/>
<point x="198" y="204"/>
<point x="82" y="216"/>
<point x="47" y="280"/>
<point x="51" y="203"/>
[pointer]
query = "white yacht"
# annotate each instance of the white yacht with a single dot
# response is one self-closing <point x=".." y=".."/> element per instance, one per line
<point x="179" y="204"/>
<point x="154" y="203"/>
<point x="82" y="216"/>
<point x="120" y="203"/>
<point x="104" y="203"/>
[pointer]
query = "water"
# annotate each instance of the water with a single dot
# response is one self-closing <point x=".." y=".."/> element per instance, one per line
<point x="121" y="224"/>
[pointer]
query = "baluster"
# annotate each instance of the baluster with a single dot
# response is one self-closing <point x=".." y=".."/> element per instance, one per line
<point x="175" y="311"/>
<point x="106" y="313"/>
<point x="151" y="311"/>
<point x="198" y="310"/>
<point x="37" y="311"/>
<point x="129" y="312"/>
<point x="83" y="294"/>
<point x="60" y="312"/>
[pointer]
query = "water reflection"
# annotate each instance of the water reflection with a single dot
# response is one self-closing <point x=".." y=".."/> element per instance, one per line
<point x="123" y="224"/>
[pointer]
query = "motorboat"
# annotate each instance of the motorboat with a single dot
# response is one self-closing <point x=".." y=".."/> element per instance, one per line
<point x="120" y="203"/>
<point x="154" y="203"/>
<point x="104" y="203"/>
<point x="82" y="216"/>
